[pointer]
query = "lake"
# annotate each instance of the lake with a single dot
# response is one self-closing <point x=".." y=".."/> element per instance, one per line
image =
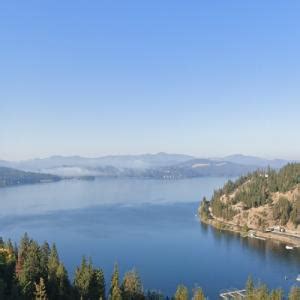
<point x="146" y="224"/>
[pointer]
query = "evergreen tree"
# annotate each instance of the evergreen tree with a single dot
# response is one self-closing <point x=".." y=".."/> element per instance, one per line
<point x="282" y="210"/>
<point x="52" y="265"/>
<point x="181" y="293"/>
<point x="63" y="284"/>
<point x="32" y="270"/>
<point x="132" y="287"/>
<point x="154" y="295"/>
<point x="40" y="290"/>
<point x="97" y="285"/>
<point x="294" y="293"/>
<point x="115" y="292"/>
<point x="198" y="294"/>
<point x="24" y="244"/>
<point x="82" y="279"/>
<point x="249" y="286"/>
<point x="45" y="252"/>
<point x="276" y="295"/>
<point x="7" y="268"/>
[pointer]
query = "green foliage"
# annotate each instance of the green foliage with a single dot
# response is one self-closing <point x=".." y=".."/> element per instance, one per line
<point x="276" y="295"/>
<point x="294" y="293"/>
<point x="63" y="283"/>
<point x="89" y="282"/>
<point x="131" y="288"/>
<point x="154" y="295"/>
<point x="52" y="264"/>
<point x="40" y="272"/>
<point x="222" y="210"/>
<point x="97" y="285"/>
<point x="204" y="209"/>
<point x="288" y="177"/>
<point x="255" y="190"/>
<point x="249" y="286"/>
<point x="82" y="278"/>
<point x="32" y="270"/>
<point x="261" y="292"/>
<point x="181" y="293"/>
<point x="7" y="268"/>
<point x="245" y="228"/>
<point x="198" y="294"/>
<point x="295" y="213"/>
<point x="40" y="290"/>
<point x="282" y="210"/>
<point x="115" y="292"/>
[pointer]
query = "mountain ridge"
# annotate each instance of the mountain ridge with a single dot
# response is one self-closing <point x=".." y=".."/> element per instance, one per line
<point x="158" y="165"/>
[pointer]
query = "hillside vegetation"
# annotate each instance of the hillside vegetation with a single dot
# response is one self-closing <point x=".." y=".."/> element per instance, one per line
<point x="10" y="177"/>
<point x="260" y="199"/>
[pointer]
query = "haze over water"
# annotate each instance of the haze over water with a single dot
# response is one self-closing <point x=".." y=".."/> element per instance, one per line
<point x="147" y="224"/>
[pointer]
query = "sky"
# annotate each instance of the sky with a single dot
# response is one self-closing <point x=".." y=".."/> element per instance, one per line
<point x="207" y="78"/>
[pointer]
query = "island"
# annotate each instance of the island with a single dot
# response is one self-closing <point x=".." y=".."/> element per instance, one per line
<point x="264" y="204"/>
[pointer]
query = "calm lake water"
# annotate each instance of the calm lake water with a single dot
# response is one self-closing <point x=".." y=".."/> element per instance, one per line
<point x="146" y="224"/>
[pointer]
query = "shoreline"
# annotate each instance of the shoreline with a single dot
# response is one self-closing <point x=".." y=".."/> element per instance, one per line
<point x="261" y="235"/>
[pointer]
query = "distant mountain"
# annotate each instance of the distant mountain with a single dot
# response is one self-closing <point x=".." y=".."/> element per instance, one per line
<point x="255" y="161"/>
<point x="201" y="168"/>
<point x="160" y="165"/>
<point x="10" y="177"/>
<point x="144" y="161"/>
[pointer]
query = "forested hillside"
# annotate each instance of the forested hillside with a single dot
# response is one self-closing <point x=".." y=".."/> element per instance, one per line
<point x="10" y="177"/>
<point x="269" y="195"/>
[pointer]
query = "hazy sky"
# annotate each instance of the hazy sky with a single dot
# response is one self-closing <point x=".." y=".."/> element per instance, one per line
<point x="207" y="78"/>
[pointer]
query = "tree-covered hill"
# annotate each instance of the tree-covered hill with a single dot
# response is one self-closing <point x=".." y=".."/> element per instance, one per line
<point x="11" y="177"/>
<point x="266" y="195"/>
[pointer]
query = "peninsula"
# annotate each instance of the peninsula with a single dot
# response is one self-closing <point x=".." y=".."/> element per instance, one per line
<point x="264" y="204"/>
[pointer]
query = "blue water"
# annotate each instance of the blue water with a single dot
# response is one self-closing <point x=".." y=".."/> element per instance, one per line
<point x="146" y="224"/>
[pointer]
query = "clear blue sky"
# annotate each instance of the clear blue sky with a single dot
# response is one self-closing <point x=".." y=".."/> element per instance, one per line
<point x="207" y="78"/>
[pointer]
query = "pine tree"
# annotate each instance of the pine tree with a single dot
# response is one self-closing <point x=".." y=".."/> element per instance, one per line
<point x="97" y="285"/>
<point x="155" y="295"/>
<point x="294" y="293"/>
<point x="24" y="244"/>
<point x="181" y="293"/>
<point x="261" y="293"/>
<point x="115" y="292"/>
<point x="45" y="252"/>
<point x="276" y="295"/>
<point x="132" y="286"/>
<point x="32" y="270"/>
<point x="198" y="294"/>
<point x="249" y="286"/>
<point x="82" y="279"/>
<point x="40" y="290"/>
<point x="52" y="265"/>
<point x="63" y="283"/>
